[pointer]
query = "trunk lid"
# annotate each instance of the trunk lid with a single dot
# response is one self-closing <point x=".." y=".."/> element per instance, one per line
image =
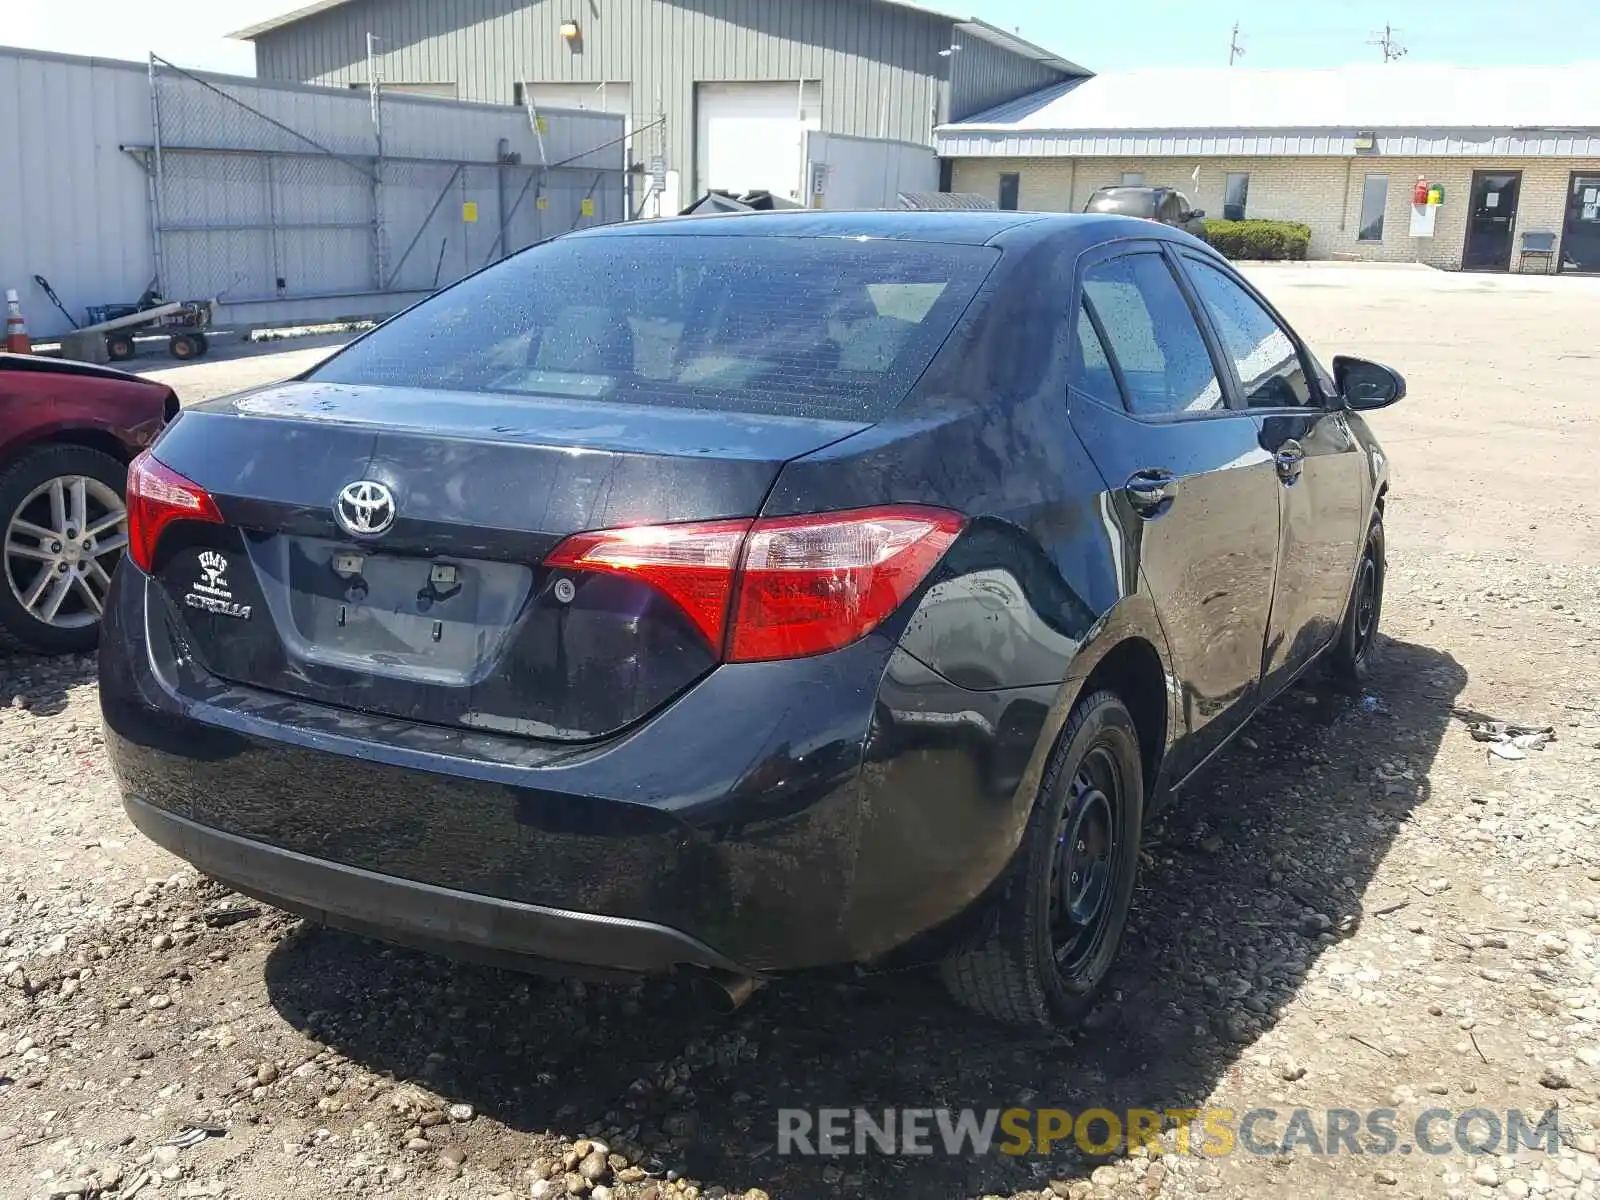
<point x="447" y="616"/>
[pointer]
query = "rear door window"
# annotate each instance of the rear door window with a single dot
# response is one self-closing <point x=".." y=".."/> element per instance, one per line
<point x="1091" y="371"/>
<point x="1151" y="332"/>
<point x="823" y="327"/>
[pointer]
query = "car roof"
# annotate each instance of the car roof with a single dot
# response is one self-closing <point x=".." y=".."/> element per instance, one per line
<point x="965" y="228"/>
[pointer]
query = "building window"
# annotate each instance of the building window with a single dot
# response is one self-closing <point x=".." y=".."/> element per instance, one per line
<point x="1133" y="179"/>
<point x="1010" y="186"/>
<point x="1374" y="199"/>
<point x="1236" y="196"/>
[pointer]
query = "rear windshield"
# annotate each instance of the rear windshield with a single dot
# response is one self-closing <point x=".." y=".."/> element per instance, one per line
<point x="816" y="327"/>
<point x="1128" y="204"/>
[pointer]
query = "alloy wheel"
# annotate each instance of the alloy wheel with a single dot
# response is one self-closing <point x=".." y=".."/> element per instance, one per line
<point x="61" y="545"/>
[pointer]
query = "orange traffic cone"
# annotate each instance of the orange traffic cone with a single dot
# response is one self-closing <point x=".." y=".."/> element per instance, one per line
<point x="17" y="340"/>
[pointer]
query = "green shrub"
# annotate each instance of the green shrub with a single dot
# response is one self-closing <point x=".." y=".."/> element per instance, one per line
<point x="1260" y="239"/>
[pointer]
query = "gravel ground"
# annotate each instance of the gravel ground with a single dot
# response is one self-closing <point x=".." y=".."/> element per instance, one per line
<point x="1359" y="908"/>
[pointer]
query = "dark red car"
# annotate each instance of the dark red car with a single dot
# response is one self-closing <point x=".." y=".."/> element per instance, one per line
<point x="67" y="433"/>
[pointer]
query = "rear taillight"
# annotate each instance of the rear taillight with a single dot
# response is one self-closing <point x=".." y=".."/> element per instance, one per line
<point x="693" y="564"/>
<point x="789" y="586"/>
<point x="158" y="496"/>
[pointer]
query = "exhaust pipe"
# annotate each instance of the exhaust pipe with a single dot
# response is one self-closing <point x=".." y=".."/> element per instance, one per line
<point x="724" y="991"/>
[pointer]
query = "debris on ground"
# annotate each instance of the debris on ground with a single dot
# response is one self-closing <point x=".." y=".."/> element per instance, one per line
<point x="1507" y="739"/>
<point x="193" y="1135"/>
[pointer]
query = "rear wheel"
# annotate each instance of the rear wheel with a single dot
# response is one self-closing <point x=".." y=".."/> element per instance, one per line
<point x="184" y="346"/>
<point x="1351" y="656"/>
<point x="1048" y="945"/>
<point x="65" y="527"/>
<point x="119" y="347"/>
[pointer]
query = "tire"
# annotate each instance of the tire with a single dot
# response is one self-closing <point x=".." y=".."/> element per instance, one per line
<point x="76" y="627"/>
<point x="1030" y="965"/>
<point x="119" y="347"/>
<point x="185" y="346"/>
<point x="1350" y="659"/>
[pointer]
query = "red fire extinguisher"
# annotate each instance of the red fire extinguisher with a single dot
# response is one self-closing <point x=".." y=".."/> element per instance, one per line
<point x="1419" y="194"/>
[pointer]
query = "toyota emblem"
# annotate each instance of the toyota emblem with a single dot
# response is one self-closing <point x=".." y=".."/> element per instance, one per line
<point x="365" y="508"/>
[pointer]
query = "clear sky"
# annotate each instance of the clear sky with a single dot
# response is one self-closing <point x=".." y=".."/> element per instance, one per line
<point x="1100" y="35"/>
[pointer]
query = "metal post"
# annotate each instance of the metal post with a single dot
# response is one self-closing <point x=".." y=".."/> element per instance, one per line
<point x="502" y="189"/>
<point x="270" y="169"/>
<point x="377" y="165"/>
<point x="466" y="260"/>
<point x="663" y="149"/>
<point x="544" y="174"/>
<point x="153" y="172"/>
<point x="800" y="120"/>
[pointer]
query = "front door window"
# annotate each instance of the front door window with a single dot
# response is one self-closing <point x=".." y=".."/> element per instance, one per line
<point x="1149" y="328"/>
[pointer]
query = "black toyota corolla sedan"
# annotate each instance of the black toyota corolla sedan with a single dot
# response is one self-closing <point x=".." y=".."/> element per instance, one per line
<point x="747" y="594"/>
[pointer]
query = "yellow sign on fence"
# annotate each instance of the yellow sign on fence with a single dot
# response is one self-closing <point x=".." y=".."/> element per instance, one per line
<point x="469" y="211"/>
<point x="587" y="207"/>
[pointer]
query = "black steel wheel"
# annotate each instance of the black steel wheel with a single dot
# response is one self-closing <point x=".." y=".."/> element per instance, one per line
<point x="1351" y="656"/>
<point x="1049" y="942"/>
<point x="119" y="347"/>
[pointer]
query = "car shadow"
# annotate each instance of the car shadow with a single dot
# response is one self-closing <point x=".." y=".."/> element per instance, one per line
<point x="42" y="685"/>
<point x="1247" y="880"/>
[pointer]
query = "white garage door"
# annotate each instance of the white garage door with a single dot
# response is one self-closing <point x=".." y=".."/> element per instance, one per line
<point x="748" y="135"/>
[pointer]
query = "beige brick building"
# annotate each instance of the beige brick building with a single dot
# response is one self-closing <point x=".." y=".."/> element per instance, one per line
<point x="1324" y="150"/>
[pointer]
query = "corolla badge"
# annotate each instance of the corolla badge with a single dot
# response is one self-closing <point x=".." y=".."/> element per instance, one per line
<point x="211" y="592"/>
<point x="365" y="508"/>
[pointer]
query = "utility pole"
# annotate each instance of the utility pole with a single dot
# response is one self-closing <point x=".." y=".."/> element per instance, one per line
<point x="1392" y="49"/>
<point x="1235" y="50"/>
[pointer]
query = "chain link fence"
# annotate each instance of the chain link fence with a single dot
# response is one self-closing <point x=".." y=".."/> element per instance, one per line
<point x="302" y="203"/>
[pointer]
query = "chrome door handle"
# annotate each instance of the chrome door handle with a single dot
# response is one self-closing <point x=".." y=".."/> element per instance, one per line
<point x="1151" y="491"/>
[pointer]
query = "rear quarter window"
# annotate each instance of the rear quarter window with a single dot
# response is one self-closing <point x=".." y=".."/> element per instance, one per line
<point x="824" y="327"/>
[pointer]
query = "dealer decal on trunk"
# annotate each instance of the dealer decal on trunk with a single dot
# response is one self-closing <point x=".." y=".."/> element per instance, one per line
<point x="210" y="593"/>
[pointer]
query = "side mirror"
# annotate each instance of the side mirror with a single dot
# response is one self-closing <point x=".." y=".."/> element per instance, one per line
<point x="1194" y="214"/>
<point x="1366" y="385"/>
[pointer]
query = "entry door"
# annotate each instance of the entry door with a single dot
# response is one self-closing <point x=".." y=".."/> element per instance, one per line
<point x="1190" y="480"/>
<point x="1580" y="237"/>
<point x="1491" y="220"/>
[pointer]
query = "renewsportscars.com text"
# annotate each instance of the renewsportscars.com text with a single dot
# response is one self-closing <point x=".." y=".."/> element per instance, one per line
<point x="836" y="1132"/>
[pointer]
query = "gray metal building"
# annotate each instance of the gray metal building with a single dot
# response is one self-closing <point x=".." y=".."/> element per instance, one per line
<point x="275" y="200"/>
<point x="717" y="93"/>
